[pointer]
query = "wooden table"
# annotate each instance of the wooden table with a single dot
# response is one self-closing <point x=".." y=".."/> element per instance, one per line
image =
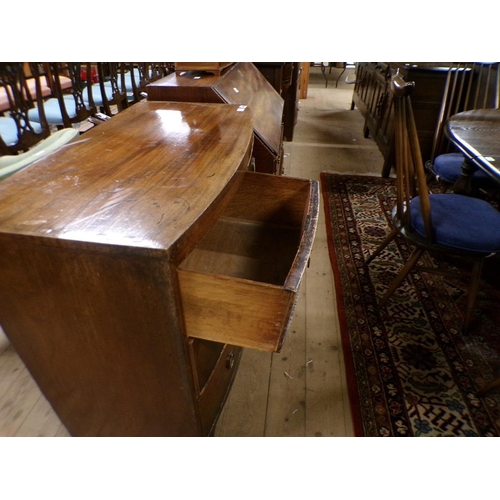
<point x="476" y="134"/>
<point x="137" y="261"/>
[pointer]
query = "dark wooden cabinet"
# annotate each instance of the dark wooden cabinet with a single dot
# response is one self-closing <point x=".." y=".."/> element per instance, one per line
<point x="137" y="263"/>
<point x="243" y="84"/>
<point x="372" y="97"/>
<point x="285" y="78"/>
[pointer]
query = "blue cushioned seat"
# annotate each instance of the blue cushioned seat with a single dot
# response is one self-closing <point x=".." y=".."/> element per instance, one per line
<point x="462" y="229"/>
<point x="129" y="88"/>
<point x="97" y="94"/>
<point x="53" y="110"/>
<point x="8" y="130"/>
<point x="449" y="168"/>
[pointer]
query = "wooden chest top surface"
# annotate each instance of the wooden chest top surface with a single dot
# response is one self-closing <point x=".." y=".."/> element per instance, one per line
<point x="139" y="180"/>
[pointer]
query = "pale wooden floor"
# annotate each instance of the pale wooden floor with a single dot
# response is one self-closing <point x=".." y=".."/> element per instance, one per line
<point x="302" y="390"/>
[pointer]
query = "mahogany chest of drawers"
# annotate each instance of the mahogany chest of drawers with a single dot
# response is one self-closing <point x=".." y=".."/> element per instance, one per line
<point x="138" y="260"/>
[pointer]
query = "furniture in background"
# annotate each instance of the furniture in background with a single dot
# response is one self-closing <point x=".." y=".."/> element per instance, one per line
<point x="68" y="105"/>
<point x="20" y="94"/>
<point x="136" y="76"/>
<point x="285" y="78"/>
<point x="243" y="84"/>
<point x="476" y="134"/>
<point x="445" y="223"/>
<point x="373" y="98"/>
<point x="304" y="79"/>
<point x="468" y="86"/>
<point x="338" y="65"/>
<point x="215" y="68"/>
<point x="136" y="264"/>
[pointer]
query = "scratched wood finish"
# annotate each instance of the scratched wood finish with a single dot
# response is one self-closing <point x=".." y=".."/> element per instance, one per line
<point x="240" y="84"/>
<point x="89" y="242"/>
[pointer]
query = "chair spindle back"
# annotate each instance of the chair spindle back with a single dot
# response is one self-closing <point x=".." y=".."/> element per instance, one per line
<point x="469" y="85"/>
<point x="410" y="172"/>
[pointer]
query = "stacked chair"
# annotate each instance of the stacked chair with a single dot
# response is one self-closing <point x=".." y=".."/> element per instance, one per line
<point x="18" y="132"/>
<point x="22" y="139"/>
<point x="67" y="106"/>
<point x="43" y="105"/>
<point x="136" y="77"/>
<point x="445" y="223"/>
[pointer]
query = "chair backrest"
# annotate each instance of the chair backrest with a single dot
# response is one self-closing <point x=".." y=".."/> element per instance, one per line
<point x="58" y="75"/>
<point x="410" y="172"/>
<point x="140" y="75"/>
<point x="21" y="96"/>
<point x="110" y="73"/>
<point x="469" y="85"/>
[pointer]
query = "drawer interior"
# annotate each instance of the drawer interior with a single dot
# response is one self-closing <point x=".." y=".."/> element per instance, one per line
<point x="239" y="284"/>
<point x="259" y="233"/>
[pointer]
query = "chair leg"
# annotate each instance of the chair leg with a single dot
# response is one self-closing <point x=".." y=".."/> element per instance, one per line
<point x="379" y="249"/>
<point x="410" y="264"/>
<point x="472" y="292"/>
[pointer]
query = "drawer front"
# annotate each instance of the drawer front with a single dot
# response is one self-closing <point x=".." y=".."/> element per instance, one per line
<point x="240" y="284"/>
<point x="214" y="394"/>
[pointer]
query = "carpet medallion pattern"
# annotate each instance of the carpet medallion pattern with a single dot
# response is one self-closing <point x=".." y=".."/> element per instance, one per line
<point x="410" y="370"/>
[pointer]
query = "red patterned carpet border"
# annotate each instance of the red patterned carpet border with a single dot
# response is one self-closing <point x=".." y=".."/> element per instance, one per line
<point x="410" y="371"/>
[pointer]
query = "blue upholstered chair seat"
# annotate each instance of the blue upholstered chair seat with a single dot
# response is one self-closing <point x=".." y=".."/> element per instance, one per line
<point x="97" y="95"/>
<point x="128" y="80"/>
<point x="461" y="222"/>
<point x="449" y="168"/>
<point x="8" y="130"/>
<point x="128" y="83"/>
<point x="53" y="110"/>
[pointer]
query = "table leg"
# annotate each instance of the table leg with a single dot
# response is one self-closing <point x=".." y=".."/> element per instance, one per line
<point x="464" y="183"/>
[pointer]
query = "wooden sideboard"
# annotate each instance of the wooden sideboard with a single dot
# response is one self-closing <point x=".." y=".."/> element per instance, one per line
<point x="138" y="260"/>
<point x="373" y="99"/>
<point x="243" y="84"/>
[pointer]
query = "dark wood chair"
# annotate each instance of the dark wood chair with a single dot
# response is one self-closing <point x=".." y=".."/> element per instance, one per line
<point x="72" y="98"/>
<point x="445" y="223"/>
<point x="138" y="75"/>
<point x="18" y="132"/>
<point x="468" y="86"/>
<point x="109" y="93"/>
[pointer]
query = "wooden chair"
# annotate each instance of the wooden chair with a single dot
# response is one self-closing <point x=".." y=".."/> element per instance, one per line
<point x="445" y="223"/>
<point x="70" y="103"/>
<point x="109" y="93"/>
<point x="137" y="76"/>
<point x="468" y="86"/>
<point x="18" y="132"/>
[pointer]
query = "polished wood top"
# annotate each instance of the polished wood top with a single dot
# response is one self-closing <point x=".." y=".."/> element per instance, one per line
<point x="477" y="134"/>
<point x="241" y="84"/>
<point x="140" y="180"/>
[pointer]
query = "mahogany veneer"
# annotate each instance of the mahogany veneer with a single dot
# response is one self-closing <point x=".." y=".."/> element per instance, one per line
<point x="138" y="260"/>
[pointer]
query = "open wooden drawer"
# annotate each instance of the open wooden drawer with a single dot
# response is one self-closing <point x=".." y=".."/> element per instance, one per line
<point x="239" y="285"/>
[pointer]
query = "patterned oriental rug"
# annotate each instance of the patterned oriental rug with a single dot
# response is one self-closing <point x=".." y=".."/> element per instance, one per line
<point x="410" y="370"/>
